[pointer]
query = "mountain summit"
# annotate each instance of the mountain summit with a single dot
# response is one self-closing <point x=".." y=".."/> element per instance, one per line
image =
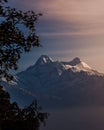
<point x="43" y="60"/>
<point x="75" y="61"/>
<point x="58" y="84"/>
<point x="78" y="65"/>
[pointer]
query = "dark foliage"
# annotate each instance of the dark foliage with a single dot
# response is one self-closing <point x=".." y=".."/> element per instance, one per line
<point x="17" y="35"/>
<point x="13" y="39"/>
<point x="14" y="118"/>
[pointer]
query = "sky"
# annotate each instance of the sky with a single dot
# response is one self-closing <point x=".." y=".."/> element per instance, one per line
<point x="67" y="29"/>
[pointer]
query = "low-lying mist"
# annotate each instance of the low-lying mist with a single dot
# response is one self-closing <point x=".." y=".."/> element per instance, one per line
<point x="77" y="118"/>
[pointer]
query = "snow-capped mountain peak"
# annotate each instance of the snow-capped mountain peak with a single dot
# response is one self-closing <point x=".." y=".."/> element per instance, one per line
<point x="75" y="61"/>
<point x="43" y="60"/>
<point x="77" y="65"/>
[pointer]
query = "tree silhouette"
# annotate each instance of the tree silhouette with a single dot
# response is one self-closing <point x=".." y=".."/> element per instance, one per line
<point x="13" y="39"/>
<point x="14" y="118"/>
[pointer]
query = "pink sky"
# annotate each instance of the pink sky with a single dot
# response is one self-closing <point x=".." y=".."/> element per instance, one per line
<point x="71" y="27"/>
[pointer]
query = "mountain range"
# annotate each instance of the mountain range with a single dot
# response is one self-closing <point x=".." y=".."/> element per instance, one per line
<point x="57" y="84"/>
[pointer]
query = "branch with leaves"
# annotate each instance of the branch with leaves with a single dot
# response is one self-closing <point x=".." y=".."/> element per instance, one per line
<point x="13" y="39"/>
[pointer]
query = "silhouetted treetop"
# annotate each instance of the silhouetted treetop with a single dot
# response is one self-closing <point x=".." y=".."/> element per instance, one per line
<point x="17" y="35"/>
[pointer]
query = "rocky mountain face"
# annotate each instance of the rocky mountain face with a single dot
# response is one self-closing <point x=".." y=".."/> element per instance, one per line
<point x="58" y="84"/>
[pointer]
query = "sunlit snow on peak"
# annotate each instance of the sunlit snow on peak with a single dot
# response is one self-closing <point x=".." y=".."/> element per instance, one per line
<point x="85" y="65"/>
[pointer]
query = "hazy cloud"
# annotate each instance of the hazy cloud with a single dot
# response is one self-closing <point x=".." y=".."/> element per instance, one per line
<point x="85" y="17"/>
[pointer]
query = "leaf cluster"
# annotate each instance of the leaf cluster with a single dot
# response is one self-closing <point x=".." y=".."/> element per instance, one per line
<point x="17" y="35"/>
